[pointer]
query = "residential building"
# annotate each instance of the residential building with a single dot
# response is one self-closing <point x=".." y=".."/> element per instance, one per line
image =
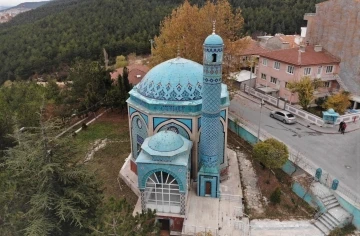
<point x="136" y="73"/>
<point x="279" y="41"/>
<point x="335" y="25"/>
<point x="277" y="68"/>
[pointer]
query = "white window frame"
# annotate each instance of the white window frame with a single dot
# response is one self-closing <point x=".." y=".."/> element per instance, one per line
<point x="162" y="194"/>
<point x="327" y="71"/>
<point x="263" y="76"/>
<point x="307" y="70"/>
<point x="264" y="61"/>
<point x="277" y="65"/>
<point x="290" y="69"/>
<point x="273" y="80"/>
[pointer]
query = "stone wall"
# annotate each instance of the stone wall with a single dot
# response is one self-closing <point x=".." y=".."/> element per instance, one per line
<point x="336" y="27"/>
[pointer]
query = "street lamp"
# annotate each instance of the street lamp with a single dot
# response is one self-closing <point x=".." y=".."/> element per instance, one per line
<point x="261" y="105"/>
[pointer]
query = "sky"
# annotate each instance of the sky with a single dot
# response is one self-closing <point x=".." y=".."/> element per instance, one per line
<point x="16" y="2"/>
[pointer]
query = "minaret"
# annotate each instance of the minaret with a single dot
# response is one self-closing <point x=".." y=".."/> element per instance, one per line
<point x="209" y="174"/>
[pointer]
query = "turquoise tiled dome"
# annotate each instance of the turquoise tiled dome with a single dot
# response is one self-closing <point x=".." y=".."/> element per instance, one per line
<point x="213" y="39"/>
<point x="166" y="141"/>
<point x="177" y="79"/>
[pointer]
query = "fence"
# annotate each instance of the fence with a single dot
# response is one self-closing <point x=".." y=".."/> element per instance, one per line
<point x="305" y="115"/>
<point x="299" y="112"/>
<point x="300" y="160"/>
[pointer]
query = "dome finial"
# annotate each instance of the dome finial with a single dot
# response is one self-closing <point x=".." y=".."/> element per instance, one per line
<point x="178" y="51"/>
<point x="214" y="22"/>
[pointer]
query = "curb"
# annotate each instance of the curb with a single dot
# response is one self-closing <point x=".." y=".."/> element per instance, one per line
<point x="251" y="98"/>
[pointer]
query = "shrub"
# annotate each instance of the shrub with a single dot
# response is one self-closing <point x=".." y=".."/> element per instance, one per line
<point x="275" y="197"/>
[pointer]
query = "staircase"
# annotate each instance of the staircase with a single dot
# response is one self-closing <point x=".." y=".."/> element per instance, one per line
<point x="341" y="83"/>
<point x="326" y="223"/>
<point x="335" y="216"/>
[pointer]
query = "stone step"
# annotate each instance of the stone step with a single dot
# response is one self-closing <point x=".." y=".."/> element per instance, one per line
<point x="328" y="207"/>
<point x="322" y="227"/>
<point x="327" y="198"/>
<point x="331" y="218"/>
<point x="327" y="223"/>
<point x="330" y="202"/>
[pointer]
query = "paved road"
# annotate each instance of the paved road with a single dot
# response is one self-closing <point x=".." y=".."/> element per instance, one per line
<point x="337" y="154"/>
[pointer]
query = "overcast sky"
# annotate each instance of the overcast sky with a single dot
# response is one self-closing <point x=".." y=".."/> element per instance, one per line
<point x="16" y="2"/>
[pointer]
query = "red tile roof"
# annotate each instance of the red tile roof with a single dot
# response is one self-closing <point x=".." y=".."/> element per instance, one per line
<point x="136" y="73"/>
<point x="309" y="57"/>
<point x="253" y="49"/>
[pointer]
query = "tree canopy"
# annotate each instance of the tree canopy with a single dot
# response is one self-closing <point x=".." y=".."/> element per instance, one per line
<point x="305" y="88"/>
<point x="188" y="26"/>
<point x="340" y="102"/>
<point x="45" y="189"/>
<point x="52" y="36"/>
<point x="272" y="153"/>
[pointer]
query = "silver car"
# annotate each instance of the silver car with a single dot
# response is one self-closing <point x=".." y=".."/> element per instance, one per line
<point x="284" y="116"/>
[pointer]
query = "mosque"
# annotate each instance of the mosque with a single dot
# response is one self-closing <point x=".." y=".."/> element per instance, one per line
<point x="178" y="131"/>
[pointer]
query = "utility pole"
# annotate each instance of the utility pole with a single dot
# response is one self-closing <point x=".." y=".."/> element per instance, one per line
<point x="262" y="103"/>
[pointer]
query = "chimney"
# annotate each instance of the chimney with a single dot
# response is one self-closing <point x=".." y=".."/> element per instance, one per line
<point x="285" y="45"/>
<point x="302" y="48"/>
<point x="318" y="48"/>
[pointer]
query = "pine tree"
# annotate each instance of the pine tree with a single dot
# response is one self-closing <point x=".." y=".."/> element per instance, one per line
<point x="127" y="84"/>
<point x="46" y="189"/>
<point x="115" y="218"/>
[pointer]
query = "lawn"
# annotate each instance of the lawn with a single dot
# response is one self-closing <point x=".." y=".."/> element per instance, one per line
<point x="107" y="162"/>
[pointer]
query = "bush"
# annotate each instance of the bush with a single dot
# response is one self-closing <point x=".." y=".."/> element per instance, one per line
<point x="346" y="230"/>
<point x="275" y="197"/>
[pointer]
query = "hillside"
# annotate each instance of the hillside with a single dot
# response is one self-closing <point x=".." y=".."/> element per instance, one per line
<point x="41" y="40"/>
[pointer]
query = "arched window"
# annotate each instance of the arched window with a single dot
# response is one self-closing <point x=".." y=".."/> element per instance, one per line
<point x="162" y="193"/>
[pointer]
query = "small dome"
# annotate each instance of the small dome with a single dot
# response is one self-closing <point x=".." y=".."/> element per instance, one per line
<point x="166" y="141"/>
<point x="214" y="39"/>
<point x="331" y="110"/>
<point x="177" y="79"/>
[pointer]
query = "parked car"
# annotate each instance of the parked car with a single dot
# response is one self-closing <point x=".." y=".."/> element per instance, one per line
<point x="284" y="116"/>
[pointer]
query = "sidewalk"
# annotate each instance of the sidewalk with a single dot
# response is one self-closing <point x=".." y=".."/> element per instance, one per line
<point x="330" y="130"/>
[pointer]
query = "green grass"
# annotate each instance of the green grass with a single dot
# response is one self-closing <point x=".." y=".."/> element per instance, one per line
<point x="108" y="161"/>
<point x="100" y="130"/>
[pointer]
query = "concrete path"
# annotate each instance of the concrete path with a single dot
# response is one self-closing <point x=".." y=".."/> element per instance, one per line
<point x="283" y="228"/>
<point x="336" y="154"/>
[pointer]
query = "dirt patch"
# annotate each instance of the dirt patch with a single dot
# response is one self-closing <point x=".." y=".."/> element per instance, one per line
<point x="290" y="206"/>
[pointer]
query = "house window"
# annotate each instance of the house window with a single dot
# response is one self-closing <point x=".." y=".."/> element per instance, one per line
<point x="263" y="76"/>
<point x="307" y="71"/>
<point x="327" y="84"/>
<point x="273" y="80"/>
<point x="290" y="69"/>
<point x="277" y="65"/>
<point x="329" y="69"/>
<point x="264" y="61"/>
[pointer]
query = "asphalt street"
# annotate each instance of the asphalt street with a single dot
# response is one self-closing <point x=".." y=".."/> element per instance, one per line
<point x="337" y="154"/>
